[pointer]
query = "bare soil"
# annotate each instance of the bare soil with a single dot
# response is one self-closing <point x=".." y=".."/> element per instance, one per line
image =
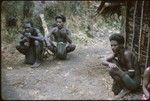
<point x="81" y="76"/>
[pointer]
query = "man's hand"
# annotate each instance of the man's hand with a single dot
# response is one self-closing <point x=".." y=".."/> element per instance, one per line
<point x="49" y="47"/>
<point x="148" y="96"/>
<point x="144" y="97"/>
<point x="28" y="35"/>
<point x="112" y="65"/>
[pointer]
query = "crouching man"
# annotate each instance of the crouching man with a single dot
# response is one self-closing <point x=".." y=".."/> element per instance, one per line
<point x="123" y="67"/>
<point x="58" y="40"/>
<point x="31" y="45"/>
<point x="146" y="84"/>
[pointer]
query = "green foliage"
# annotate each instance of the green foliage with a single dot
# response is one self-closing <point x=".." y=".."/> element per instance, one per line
<point x="78" y="14"/>
<point x="12" y="8"/>
<point x="28" y="9"/>
<point x="112" y="22"/>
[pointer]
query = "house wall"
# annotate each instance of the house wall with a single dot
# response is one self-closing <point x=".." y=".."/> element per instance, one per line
<point x="137" y="30"/>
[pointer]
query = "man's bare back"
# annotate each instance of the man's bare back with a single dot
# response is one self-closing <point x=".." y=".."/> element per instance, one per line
<point x="146" y="83"/>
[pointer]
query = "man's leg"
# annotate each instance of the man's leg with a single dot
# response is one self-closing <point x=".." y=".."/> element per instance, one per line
<point x="22" y="49"/>
<point x="128" y="83"/>
<point x="38" y="53"/>
<point x="53" y="48"/>
<point x="116" y="87"/>
<point x="117" y="83"/>
<point x="70" y="48"/>
<point x="125" y="78"/>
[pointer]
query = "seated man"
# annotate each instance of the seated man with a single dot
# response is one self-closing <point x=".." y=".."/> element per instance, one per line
<point x="31" y="45"/>
<point x="61" y="36"/>
<point x="123" y="67"/>
<point x="146" y="84"/>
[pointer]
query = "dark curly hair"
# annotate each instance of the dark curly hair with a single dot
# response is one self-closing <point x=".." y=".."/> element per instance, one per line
<point x="60" y="17"/>
<point x="117" y="37"/>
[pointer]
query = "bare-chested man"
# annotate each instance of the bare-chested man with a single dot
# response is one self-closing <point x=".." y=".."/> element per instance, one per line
<point x="59" y="34"/>
<point x="31" y="44"/>
<point x="123" y="67"/>
<point x="146" y="84"/>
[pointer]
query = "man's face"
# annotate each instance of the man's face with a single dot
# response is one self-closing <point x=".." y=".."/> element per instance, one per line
<point x="115" y="46"/>
<point x="28" y="27"/>
<point x="60" y="23"/>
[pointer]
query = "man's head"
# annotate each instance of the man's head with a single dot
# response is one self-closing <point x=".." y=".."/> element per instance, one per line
<point x="28" y="26"/>
<point x="60" y="20"/>
<point x="117" y="42"/>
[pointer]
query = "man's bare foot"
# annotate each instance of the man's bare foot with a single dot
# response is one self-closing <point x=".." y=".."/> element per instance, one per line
<point x="35" y="65"/>
<point x="122" y="94"/>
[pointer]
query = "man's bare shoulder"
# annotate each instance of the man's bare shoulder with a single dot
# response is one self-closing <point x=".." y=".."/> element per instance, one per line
<point x="147" y="70"/>
<point x="36" y="29"/>
<point x="128" y="52"/>
<point x="54" y="28"/>
<point x="111" y="56"/>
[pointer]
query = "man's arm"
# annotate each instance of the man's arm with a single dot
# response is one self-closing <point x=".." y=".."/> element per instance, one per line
<point x="22" y="35"/>
<point x="39" y="36"/>
<point x="68" y="37"/>
<point x="47" y="40"/>
<point x="23" y="38"/>
<point x="128" y="59"/>
<point x="108" y="62"/>
<point x="145" y="82"/>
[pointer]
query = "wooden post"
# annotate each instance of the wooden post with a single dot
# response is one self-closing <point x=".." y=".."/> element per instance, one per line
<point x="134" y="16"/>
<point x="141" y="27"/>
<point x="45" y="31"/>
<point x="125" y="24"/>
<point x="44" y="25"/>
<point x="148" y="49"/>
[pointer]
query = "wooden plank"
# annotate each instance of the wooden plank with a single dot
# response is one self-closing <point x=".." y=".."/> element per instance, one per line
<point x="136" y="45"/>
<point x="131" y="35"/>
<point x="44" y="24"/>
<point x="130" y="24"/>
<point x="148" y="49"/>
<point x="130" y="39"/>
<point x="140" y="37"/>
<point x="140" y="54"/>
<point x="130" y="19"/>
<point x="45" y="31"/>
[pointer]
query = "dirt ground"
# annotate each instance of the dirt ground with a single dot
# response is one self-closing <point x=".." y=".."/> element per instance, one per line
<point x="81" y="76"/>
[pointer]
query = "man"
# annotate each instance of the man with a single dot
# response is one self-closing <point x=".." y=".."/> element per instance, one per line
<point x="146" y="84"/>
<point x="31" y="45"/>
<point x="59" y="34"/>
<point x="123" y="67"/>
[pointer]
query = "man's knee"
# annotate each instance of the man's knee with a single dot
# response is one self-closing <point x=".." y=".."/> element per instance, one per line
<point x="17" y="47"/>
<point x="129" y="82"/>
<point x="27" y="44"/>
<point x="71" y="48"/>
<point x="21" y="49"/>
<point x="36" y="42"/>
<point x="112" y="71"/>
<point x="52" y="48"/>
